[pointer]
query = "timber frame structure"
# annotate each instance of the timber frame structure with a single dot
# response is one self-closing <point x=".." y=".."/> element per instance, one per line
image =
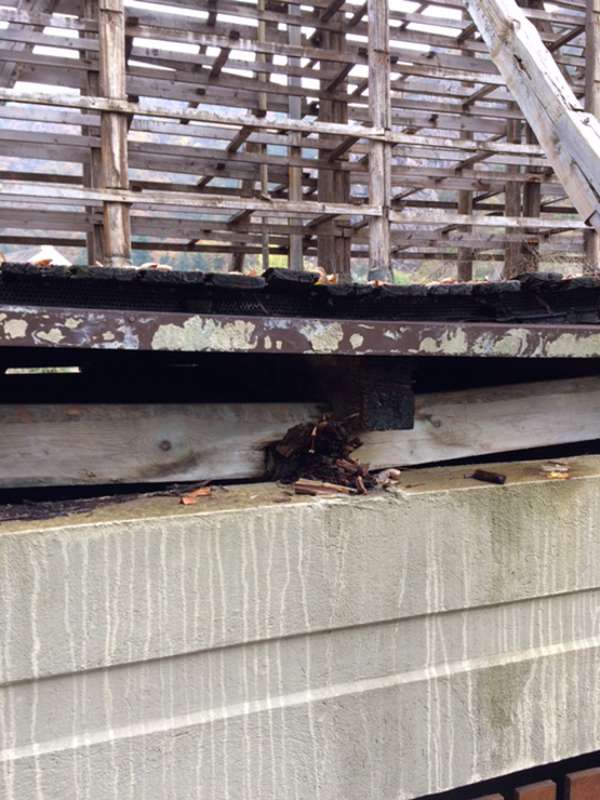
<point x="383" y="132"/>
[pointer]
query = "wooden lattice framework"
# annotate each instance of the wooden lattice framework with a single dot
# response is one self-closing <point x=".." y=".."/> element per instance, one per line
<point x="342" y="132"/>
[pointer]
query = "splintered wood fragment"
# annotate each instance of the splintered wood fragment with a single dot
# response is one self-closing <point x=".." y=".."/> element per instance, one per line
<point x="191" y="498"/>
<point x="306" y="486"/>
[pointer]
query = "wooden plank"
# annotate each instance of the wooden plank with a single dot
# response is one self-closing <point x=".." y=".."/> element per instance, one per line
<point x="492" y="420"/>
<point x="92" y="169"/>
<point x="189" y="200"/>
<point x="512" y="206"/>
<point x="128" y="443"/>
<point x="380" y="190"/>
<point x="592" y="104"/>
<point x="115" y="171"/>
<point x="92" y="444"/>
<point x="295" y="246"/>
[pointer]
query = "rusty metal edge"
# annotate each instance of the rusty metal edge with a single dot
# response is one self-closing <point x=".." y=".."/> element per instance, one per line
<point x="27" y="326"/>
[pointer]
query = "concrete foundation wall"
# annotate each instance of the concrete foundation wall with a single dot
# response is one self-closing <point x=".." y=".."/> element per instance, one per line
<point x="362" y="649"/>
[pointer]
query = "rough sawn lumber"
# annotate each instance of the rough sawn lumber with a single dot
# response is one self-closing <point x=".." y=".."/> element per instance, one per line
<point x="569" y="135"/>
<point x="96" y="444"/>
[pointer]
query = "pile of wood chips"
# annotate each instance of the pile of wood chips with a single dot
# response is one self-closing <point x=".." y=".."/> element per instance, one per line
<point x="316" y="460"/>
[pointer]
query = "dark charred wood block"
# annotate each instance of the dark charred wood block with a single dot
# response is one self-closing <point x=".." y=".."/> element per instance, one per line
<point x="451" y="289"/>
<point x="288" y="279"/>
<point x="486" y="288"/>
<point x="409" y="290"/>
<point x="226" y="280"/>
<point x="117" y="274"/>
<point x="583" y="282"/>
<point x="349" y="290"/>
<point x="536" y="281"/>
<point x="387" y="400"/>
<point x="167" y="277"/>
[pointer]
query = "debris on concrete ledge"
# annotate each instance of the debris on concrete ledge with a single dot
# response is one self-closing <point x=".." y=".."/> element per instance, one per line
<point x="488" y="477"/>
<point x="317" y="458"/>
<point x="191" y="498"/>
<point x="555" y="470"/>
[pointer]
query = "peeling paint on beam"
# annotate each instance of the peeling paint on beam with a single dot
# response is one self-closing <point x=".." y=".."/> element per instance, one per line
<point x="150" y="331"/>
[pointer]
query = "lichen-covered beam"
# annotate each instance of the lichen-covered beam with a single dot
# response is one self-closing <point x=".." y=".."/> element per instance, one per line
<point x="29" y="326"/>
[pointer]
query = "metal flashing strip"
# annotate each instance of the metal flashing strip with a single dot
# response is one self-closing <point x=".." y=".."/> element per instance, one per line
<point x="29" y="326"/>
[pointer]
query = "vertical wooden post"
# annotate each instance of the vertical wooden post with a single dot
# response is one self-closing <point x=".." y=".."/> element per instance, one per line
<point x="92" y="168"/>
<point x="333" y="248"/>
<point x="592" y="104"/>
<point x="113" y="68"/>
<point x="380" y="108"/>
<point x="262" y="108"/>
<point x="532" y="207"/>
<point x="464" y="260"/>
<point x="295" y="255"/>
<point x="532" y="192"/>
<point x="465" y="254"/>
<point x="513" y="260"/>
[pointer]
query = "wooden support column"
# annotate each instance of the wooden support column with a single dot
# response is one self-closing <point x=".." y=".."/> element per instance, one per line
<point x="92" y="168"/>
<point x="295" y="254"/>
<point x="262" y="108"/>
<point x="113" y="68"/>
<point x="380" y="109"/>
<point x="513" y="261"/>
<point x="532" y="207"/>
<point x="465" y="254"/>
<point x="592" y="104"/>
<point x="464" y="261"/>
<point x="333" y="248"/>
<point x="532" y="192"/>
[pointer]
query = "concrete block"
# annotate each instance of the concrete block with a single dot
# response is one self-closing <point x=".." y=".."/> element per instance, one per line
<point x="377" y="648"/>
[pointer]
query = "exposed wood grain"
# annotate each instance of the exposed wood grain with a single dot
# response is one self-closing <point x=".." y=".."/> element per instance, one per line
<point x="379" y="152"/>
<point x="115" y="169"/>
<point x="92" y="444"/>
<point x="491" y="420"/>
<point x="592" y="104"/>
<point x="64" y="445"/>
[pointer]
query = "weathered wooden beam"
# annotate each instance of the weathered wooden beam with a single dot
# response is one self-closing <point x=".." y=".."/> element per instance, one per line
<point x="92" y="170"/>
<point x="97" y="444"/>
<point x="295" y="251"/>
<point x="380" y="190"/>
<point x="513" y="206"/>
<point x="333" y="252"/>
<point x="115" y="170"/>
<point x="476" y="422"/>
<point x="569" y="136"/>
<point x="592" y="104"/>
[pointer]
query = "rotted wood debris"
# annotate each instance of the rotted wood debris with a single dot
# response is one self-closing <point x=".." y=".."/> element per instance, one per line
<point x="317" y="460"/>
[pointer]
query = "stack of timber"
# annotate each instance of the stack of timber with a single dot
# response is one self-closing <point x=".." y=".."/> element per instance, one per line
<point x="327" y="130"/>
<point x="53" y="445"/>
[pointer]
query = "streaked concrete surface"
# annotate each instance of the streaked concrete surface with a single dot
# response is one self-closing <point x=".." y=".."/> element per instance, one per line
<point x="346" y="649"/>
